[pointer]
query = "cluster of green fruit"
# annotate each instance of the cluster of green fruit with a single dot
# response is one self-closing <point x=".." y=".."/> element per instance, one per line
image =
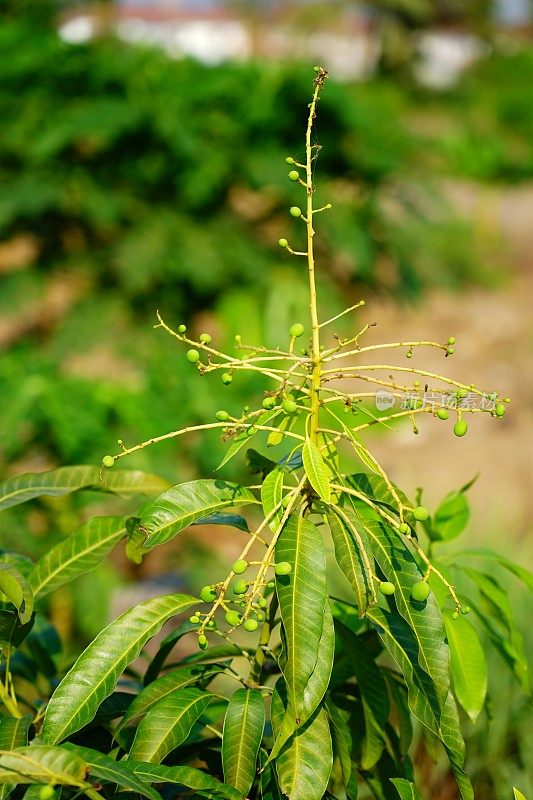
<point x="213" y="592"/>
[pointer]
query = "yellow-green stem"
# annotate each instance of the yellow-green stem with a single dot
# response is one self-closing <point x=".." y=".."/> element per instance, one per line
<point x="315" y="327"/>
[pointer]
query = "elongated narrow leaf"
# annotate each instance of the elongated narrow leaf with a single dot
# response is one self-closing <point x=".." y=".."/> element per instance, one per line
<point x="406" y="789"/>
<point x="271" y="497"/>
<point x="243" y="730"/>
<point x="119" y="772"/>
<point x="376" y="488"/>
<point x="171" y="512"/>
<point x="163" y="686"/>
<point x="65" y="480"/>
<point x="40" y="764"/>
<point x="242" y="439"/>
<point x="425" y="620"/>
<point x="521" y="573"/>
<point x="167" y="724"/>
<point x="231" y="520"/>
<point x="316" y="470"/>
<point x="353" y="555"/>
<point x="12" y="631"/>
<point x="79" y="553"/>
<point x="94" y="675"/>
<point x="302" y="599"/>
<point x="342" y="741"/>
<point x="305" y="763"/>
<point x="374" y="696"/>
<point x="14" y="731"/>
<point x="468" y="664"/>
<point x="185" y="776"/>
<point x="17" y="590"/>
<point x="518" y="794"/>
<point x="450" y="517"/>
<point x="424" y="701"/>
<point x="315" y="689"/>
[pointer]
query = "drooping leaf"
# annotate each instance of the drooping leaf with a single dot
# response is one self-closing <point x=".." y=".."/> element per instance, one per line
<point x="94" y="675"/>
<point x="271" y="497"/>
<point x="176" y="509"/>
<point x="425" y="620"/>
<point x="514" y="658"/>
<point x="243" y="731"/>
<point x="376" y="488"/>
<point x="65" y="480"/>
<point x="315" y="689"/>
<point x="119" y="772"/>
<point x="426" y="703"/>
<point x="165" y="648"/>
<point x="243" y="438"/>
<point x="258" y="464"/>
<point x="399" y="696"/>
<point x="468" y="664"/>
<point x="450" y="518"/>
<point x="168" y="723"/>
<point x="41" y="764"/>
<point x="482" y="552"/>
<point x="341" y="736"/>
<point x="14" y="731"/>
<point x="305" y="763"/>
<point x="406" y="789"/>
<point x="185" y="776"/>
<point x="316" y="470"/>
<point x="161" y="687"/>
<point x="232" y="520"/>
<point x="374" y="697"/>
<point x="17" y="590"/>
<point x="79" y="553"/>
<point x="302" y="599"/>
<point x="353" y="553"/>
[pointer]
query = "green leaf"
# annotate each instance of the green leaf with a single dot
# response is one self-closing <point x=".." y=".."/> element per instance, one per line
<point x="315" y="689"/>
<point x="107" y="769"/>
<point x="518" y="794"/>
<point x="80" y="552"/>
<point x="94" y="675"/>
<point x="341" y="736"/>
<point x="243" y="731"/>
<point x="17" y="590"/>
<point x="450" y="517"/>
<point x="241" y="439"/>
<point x="426" y="703"/>
<point x="12" y="632"/>
<point x="168" y="723"/>
<point x="482" y="552"/>
<point x="232" y="520"/>
<point x="305" y="763"/>
<point x="468" y="664"/>
<point x="272" y="495"/>
<point x="14" y="731"/>
<point x="171" y="512"/>
<point x="316" y="470"/>
<point x="163" y="686"/>
<point x="302" y="599"/>
<point x="376" y="488"/>
<point x="374" y="695"/>
<point x="406" y="789"/>
<point x="185" y="776"/>
<point x="351" y="553"/>
<point x="65" y="480"/>
<point x="40" y="764"/>
<point x="425" y="620"/>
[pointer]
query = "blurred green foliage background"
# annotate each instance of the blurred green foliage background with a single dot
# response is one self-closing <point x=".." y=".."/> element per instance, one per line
<point x="130" y="182"/>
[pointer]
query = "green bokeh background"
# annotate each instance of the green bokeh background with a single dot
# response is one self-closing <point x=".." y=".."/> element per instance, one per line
<point x="130" y="182"/>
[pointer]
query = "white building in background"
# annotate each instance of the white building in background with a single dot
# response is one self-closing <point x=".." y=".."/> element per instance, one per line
<point x="214" y="31"/>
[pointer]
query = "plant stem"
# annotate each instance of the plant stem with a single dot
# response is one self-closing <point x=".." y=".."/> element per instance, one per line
<point x="315" y="327"/>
